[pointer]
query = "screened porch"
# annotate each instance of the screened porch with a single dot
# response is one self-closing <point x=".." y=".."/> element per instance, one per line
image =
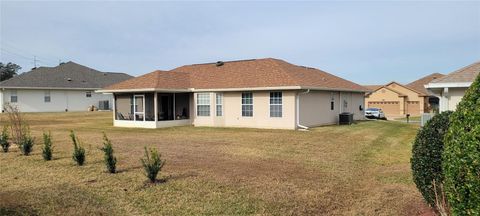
<point x="152" y="109"/>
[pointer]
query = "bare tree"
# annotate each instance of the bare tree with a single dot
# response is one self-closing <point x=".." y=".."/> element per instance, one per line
<point x="18" y="125"/>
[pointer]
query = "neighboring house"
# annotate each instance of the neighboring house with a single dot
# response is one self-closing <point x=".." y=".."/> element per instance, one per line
<point x="257" y="93"/>
<point x="451" y="88"/>
<point x="67" y="87"/>
<point x="397" y="100"/>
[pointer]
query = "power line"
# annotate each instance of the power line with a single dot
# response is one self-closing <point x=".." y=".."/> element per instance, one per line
<point x="35" y="59"/>
<point x="16" y="54"/>
<point x="19" y="50"/>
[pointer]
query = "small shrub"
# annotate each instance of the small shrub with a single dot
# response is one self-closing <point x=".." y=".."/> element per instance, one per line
<point x="461" y="157"/>
<point x="47" y="146"/>
<point x="26" y="144"/>
<point x="4" y="139"/>
<point x="152" y="163"/>
<point x="110" y="160"/>
<point x="78" y="151"/>
<point x="426" y="158"/>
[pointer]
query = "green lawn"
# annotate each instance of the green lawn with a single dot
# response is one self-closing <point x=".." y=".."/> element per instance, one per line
<point x="362" y="169"/>
<point x="413" y="118"/>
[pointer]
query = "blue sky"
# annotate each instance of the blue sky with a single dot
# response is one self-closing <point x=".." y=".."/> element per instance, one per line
<point x="365" y="42"/>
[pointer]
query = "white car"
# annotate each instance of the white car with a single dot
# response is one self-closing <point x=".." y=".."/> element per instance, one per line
<point x="376" y="113"/>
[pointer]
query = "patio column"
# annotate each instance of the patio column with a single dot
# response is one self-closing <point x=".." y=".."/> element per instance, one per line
<point x="114" y="108"/>
<point x="155" y="106"/>
<point x="174" y="112"/>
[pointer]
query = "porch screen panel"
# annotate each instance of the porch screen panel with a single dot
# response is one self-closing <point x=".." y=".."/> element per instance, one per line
<point x="182" y="105"/>
<point x="124" y="107"/>
<point x="149" y="107"/>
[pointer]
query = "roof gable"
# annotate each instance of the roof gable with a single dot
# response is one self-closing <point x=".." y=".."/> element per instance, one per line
<point x="386" y="88"/>
<point x="67" y="75"/>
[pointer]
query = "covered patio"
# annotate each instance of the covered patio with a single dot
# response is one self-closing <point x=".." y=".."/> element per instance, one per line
<point x="152" y="109"/>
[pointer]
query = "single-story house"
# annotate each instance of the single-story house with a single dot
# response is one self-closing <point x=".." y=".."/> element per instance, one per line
<point x="397" y="100"/>
<point x="256" y="93"/>
<point x="66" y="87"/>
<point x="451" y="88"/>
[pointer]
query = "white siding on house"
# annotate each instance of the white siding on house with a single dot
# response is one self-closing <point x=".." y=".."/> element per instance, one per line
<point x="30" y="100"/>
<point x="1" y="100"/>
<point x="455" y="96"/>
<point x="449" y="97"/>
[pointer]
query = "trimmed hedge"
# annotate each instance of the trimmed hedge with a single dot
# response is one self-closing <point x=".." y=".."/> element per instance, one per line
<point x="461" y="157"/>
<point x="426" y="158"/>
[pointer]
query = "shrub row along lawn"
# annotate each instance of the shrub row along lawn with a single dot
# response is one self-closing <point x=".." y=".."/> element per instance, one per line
<point x="335" y="170"/>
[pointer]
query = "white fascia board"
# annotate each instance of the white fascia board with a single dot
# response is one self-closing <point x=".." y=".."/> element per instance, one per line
<point x="143" y="90"/>
<point x="334" y="89"/>
<point x="448" y="85"/>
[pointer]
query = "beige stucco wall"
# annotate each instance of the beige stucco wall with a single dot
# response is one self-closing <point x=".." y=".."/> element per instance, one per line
<point x="411" y="96"/>
<point x="232" y="111"/>
<point x="30" y="100"/>
<point x="385" y="94"/>
<point x="315" y="107"/>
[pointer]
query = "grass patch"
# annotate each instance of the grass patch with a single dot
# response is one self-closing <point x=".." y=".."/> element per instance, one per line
<point x="362" y="169"/>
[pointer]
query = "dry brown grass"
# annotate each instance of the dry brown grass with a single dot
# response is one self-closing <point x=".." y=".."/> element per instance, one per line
<point x="361" y="169"/>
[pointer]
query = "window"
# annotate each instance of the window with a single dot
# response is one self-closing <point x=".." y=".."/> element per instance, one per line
<point x="13" y="96"/>
<point x="332" y="101"/>
<point x="275" y="104"/>
<point x="247" y="104"/>
<point x="219" y="104"/>
<point x="88" y="94"/>
<point x="47" y="98"/>
<point x="203" y="104"/>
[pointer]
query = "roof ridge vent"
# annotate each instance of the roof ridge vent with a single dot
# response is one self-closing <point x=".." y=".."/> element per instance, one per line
<point x="219" y="63"/>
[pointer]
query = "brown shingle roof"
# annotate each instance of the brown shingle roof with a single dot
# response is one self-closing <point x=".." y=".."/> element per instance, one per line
<point x="419" y="84"/>
<point x="255" y="73"/>
<point x="465" y="74"/>
<point x="372" y="87"/>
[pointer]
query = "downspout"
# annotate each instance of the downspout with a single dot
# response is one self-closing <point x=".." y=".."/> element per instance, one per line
<point x="298" y="109"/>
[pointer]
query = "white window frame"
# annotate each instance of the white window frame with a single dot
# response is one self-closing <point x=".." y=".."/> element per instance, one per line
<point x="276" y="101"/>
<point x="245" y="104"/>
<point x="135" y="107"/>
<point x="47" y="95"/>
<point x="219" y="104"/>
<point x="13" y="94"/>
<point x="332" y="101"/>
<point x="203" y="102"/>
